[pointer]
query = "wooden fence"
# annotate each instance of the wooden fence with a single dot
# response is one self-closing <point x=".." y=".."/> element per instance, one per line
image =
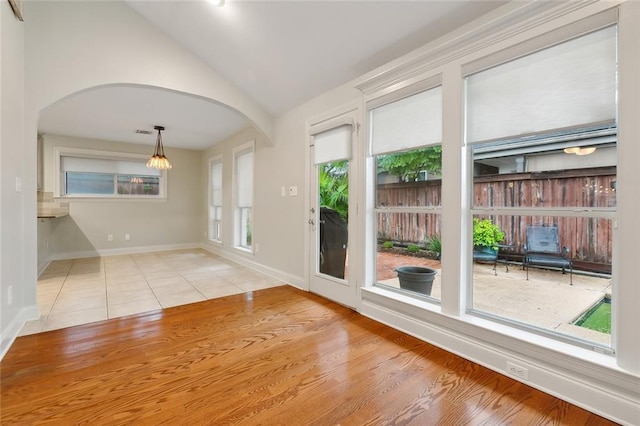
<point x="589" y="239"/>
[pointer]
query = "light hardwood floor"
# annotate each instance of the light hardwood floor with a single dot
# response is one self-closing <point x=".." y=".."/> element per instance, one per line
<point x="278" y="356"/>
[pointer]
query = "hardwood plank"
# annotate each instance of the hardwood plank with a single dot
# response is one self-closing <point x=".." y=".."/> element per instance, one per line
<point x="275" y="356"/>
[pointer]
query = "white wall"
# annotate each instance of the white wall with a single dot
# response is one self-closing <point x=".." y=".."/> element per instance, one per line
<point x="150" y="223"/>
<point x="277" y="227"/>
<point x="280" y="222"/>
<point x="13" y="248"/>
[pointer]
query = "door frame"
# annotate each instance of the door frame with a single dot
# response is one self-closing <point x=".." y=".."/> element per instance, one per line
<point x="349" y="294"/>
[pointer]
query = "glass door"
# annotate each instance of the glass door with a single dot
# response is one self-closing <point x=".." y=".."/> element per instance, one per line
<point x="330" y="212"/>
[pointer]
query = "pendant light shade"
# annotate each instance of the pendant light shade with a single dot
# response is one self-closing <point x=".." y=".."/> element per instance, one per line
<point x="159" y="161"/>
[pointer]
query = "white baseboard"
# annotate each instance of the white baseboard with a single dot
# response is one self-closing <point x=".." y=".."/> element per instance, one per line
<point x="290" y="279"/>
<point x="42" y="267"/>
<point x="9" y="334"/>
<point x="605" y="399"/>
<point x="123" y="250"/>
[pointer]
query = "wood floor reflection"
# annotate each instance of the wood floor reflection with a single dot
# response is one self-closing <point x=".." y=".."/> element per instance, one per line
<point x="278" y="356"/>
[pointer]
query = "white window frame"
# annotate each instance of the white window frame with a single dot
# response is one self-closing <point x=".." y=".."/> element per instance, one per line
<point x="215" y="221"/>
<point x="603" y="383"/>
<point x="239" y="225"/>
<point x="60" y="152"/>
<point x="388" y="98"/>
<point x="532" y="46"/>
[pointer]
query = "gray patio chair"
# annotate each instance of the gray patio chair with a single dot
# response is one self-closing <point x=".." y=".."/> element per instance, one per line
<point x="543" y="249"/>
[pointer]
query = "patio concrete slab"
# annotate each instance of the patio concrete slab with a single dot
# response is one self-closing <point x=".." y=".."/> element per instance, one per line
<point x="545" y="300"/>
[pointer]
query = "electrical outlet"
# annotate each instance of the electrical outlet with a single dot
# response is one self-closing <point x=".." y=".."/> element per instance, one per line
<point x="110" y="237"/>
<point x="127" y="237"/>
<point x="517" y="371"/>
<point x="10" y="295"/>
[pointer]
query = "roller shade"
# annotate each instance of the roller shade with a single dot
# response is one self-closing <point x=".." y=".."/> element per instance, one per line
<point x="407" y="123"/>
<point x="333" y="144"/>
<point x="572" y="84"/>
<point x="216" y="184"/>
<point x="97" y="165"/>
<point x="244" y="179"/>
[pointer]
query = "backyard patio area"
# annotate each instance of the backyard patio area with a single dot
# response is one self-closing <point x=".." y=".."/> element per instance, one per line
<point x="545" y="300"/>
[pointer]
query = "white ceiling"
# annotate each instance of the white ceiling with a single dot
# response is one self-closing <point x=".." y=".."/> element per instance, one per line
<point x="281" y="53"/>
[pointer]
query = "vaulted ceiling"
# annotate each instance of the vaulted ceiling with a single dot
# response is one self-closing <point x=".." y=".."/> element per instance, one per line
<point x="280" y="53"/>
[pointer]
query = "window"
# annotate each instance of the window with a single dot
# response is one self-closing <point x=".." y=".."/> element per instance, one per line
<point x="542" y="131"/>
<point x="215" y="198"/>
<point x="86" y="173"/>
<point x="406" y="137"/>
<point x="243" y="163"/>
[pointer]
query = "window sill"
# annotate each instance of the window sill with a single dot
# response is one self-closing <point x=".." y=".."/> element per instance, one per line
<point x="108" y="198"/>
<point x="483" y="331"/>
<point x="244" y="250"/>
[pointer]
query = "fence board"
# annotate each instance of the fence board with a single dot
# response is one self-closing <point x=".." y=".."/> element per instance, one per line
<point x="589" y="239"/>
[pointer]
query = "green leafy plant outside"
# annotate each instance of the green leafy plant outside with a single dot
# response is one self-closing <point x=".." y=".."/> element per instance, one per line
<point x="434" y="243"/>
<point x="333" y="187"/>
<point x="486" y="233"/>
<point x="387" y="244"/>
<point x="407" y="165"/>
<point x="413" y="248"/>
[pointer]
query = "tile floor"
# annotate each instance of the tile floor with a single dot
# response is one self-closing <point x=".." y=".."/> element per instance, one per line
<point x="80" y="291"/>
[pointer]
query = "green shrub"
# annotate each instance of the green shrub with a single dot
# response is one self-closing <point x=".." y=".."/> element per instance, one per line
<point x="413" y="248"/>
<point x="387" y="244"/>
<point x="486" y="233"/>
<point x="434" y="243"/>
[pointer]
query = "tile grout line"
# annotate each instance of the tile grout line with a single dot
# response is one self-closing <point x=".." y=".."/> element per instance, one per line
<point x="147" y="281"/>
<point x="66" y="277"/>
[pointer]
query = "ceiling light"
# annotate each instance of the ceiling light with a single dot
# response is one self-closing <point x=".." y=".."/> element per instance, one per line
<point x="571" y="150"/>
<point x="586" y="151"/>
<point x="218" y="3"/>
<point x="159" y="161"/>
<point x="580" y="151"/>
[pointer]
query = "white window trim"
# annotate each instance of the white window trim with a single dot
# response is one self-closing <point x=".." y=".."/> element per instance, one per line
<point x="376" y="101"/>
<point x="598" y="382"/>
<point x="60" y="152"/>
<point x="212" y="161"/>
<point x="561" y="35"/>
<point x="239" y="150"/>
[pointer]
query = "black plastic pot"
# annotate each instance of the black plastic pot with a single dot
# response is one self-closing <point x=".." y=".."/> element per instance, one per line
<point x="416" y="278"/>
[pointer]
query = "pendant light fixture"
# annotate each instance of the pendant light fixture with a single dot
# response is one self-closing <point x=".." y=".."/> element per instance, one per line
<point x="159" y="161"/>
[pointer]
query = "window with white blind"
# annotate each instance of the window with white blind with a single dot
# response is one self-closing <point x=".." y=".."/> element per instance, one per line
<point x="543" y="141"/>
<point x="243" y="175"/>
<point x="406" y="142"/>
<point x="569" y="85"/>
<point x="101" y="174"/>
<point x="215" y="198"/>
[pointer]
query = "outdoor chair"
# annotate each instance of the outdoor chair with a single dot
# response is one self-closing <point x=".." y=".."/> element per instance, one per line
<point x="543" y="249"/>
